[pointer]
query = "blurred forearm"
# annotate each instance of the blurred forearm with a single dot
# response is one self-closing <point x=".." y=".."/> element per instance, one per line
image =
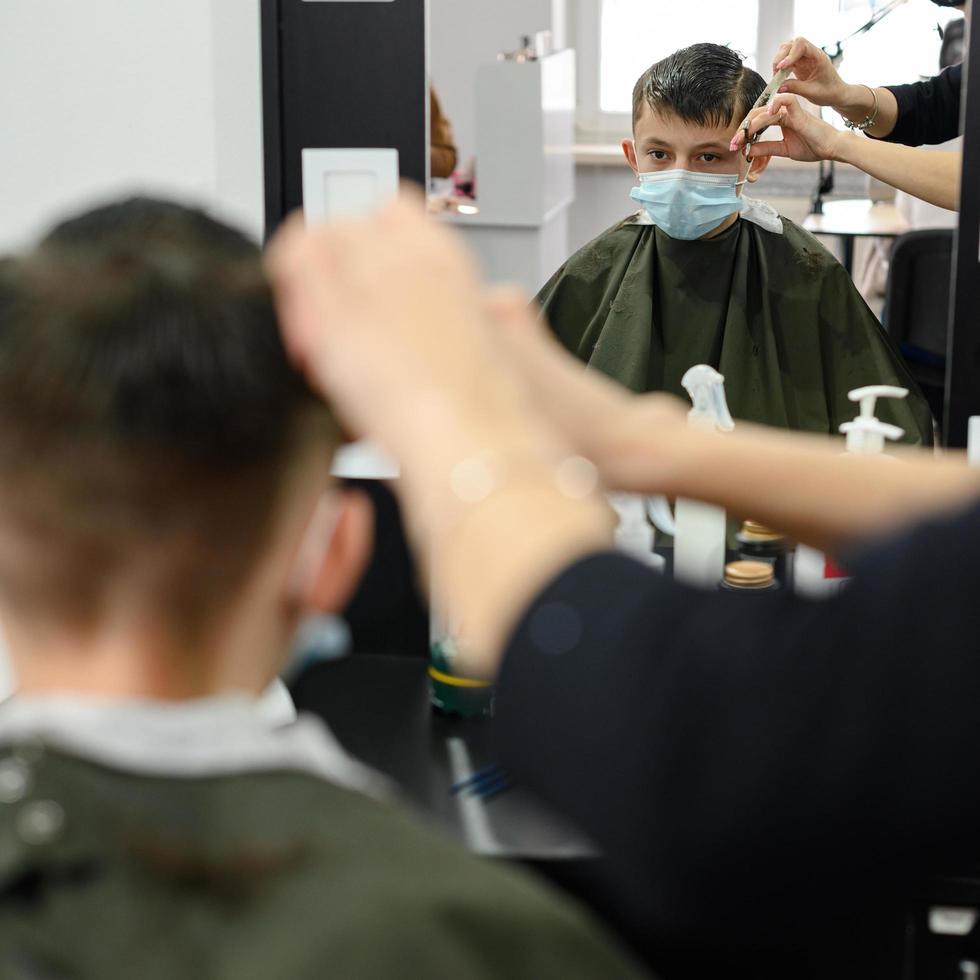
<point x="805" y="487"/>
<point x="798" y="483"/>
<point x="486" y="504"/>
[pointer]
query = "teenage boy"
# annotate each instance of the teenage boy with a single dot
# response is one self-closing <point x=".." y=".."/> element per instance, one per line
<point x="703" y="274"/>
<point x="165" y="517"/>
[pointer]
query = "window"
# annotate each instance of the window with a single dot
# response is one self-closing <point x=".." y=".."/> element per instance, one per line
<point x="633" y="34"/>
<point x="617" y="39"/>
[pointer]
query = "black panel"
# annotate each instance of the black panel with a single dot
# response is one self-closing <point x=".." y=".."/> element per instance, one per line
<point x="275" y="206"/>
<point x="963" y="361"/>
<point x="346" y="75"/>
<point x="341" y="75"/>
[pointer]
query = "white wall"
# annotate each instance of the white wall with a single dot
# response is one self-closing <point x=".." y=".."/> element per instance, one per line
<point x="236" y="47"/>
<point x="99" y="99"/>
<point x="601" y="199"/>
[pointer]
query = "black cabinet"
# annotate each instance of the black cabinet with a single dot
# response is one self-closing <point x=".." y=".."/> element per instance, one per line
<point x="339" y="74"/>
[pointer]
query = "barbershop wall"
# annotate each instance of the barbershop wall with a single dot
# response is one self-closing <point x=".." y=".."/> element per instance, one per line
<point x="125" y="95"/>
<point x="165" y="96"/>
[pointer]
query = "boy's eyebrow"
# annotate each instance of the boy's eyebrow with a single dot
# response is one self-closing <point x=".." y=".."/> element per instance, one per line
<point x="657" y="141"/>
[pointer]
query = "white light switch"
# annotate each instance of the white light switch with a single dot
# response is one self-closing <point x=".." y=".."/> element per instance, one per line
<point x="347" y="183"/>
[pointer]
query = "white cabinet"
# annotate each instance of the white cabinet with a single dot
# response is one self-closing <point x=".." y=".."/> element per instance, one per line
<point x="525" y="168"/>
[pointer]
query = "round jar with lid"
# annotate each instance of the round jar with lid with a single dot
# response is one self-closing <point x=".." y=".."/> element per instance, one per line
<point x="749" y="577"/>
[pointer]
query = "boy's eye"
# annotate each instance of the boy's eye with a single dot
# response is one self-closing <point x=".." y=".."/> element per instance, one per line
<point x="658" y="154"/>
<point x="710" y="157"/>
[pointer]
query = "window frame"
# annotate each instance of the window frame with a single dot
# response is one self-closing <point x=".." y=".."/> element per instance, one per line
<point x="586" y="37"/>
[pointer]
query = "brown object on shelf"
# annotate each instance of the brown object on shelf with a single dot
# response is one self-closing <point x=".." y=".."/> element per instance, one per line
<point x="442" y="148"/>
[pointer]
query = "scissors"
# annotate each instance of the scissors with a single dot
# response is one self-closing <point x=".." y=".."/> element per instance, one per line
<point x="767" y="93"/>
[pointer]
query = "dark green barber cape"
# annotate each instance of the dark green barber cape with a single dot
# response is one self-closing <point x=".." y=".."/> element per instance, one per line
<point x="776" y="314"/>
<point x="275" y="875"/>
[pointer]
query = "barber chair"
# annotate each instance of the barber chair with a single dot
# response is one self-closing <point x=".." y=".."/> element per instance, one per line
<point x="916" y="310"/>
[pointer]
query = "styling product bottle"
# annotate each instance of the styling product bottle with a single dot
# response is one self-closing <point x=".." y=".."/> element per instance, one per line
<point x="749" y="577"/>
<point x="699" y="528"/>
<point x="634" y="534"/>
<point x="451" y="692"/>
<point x="815" y="575"/>
<point x="757" y="543"/>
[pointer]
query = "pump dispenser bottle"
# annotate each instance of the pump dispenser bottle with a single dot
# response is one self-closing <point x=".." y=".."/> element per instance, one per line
<point x="866" y="435"/>
<point x="699" y="529"/>
<point x="814" y="574"/>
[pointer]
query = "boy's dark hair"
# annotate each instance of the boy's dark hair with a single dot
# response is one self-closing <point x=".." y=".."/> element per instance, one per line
<point x="706" y="84"/>
<point x="149" y="418"/>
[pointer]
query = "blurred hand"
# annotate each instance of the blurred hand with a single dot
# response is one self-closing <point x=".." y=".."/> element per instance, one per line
<point x="385" y="316"/>
<point x="805" y="136"/>
<point x="816" y="77"/>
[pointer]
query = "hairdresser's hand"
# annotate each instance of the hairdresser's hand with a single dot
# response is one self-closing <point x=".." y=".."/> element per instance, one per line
<point x="385" y="317"/>
<point x="805" y="137"/>
<point x="634" y="441"/>
<point x="817" y="81"/>
<point x="816" y="78"/>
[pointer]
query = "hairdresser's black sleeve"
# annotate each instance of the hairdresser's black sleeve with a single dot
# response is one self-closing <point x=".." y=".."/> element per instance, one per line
<point x="929" y="111"/>
<point x="754" y="764"/>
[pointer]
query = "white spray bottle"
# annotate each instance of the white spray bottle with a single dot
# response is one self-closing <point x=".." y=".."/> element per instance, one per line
<point x="634" y="535"/>
<point x="699" y="529"/>
<point x="814" y="574"/>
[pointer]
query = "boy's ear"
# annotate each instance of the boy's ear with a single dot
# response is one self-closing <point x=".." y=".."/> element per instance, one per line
<point x="759" y="164"/>
<point x="334" y="552"/>
<point x="629" y="151"/>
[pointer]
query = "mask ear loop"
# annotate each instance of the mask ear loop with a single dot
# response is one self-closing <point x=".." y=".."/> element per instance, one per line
<point x="638" y="172"/>
<point x="745" y="179"/>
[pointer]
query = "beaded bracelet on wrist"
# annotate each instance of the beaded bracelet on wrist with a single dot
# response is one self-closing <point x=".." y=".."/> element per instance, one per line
<point x="869" y="120"/>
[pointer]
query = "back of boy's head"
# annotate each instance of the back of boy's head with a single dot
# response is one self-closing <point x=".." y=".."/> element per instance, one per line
<point x="149" y="419"/>
<point x="705" y="84"/>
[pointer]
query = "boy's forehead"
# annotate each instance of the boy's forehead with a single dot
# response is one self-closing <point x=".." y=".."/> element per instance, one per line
<point x="670" y="129"/>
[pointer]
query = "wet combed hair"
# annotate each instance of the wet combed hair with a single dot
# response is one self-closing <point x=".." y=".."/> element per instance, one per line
<point x="705" y="84"/>
<point x="149" y="418"/>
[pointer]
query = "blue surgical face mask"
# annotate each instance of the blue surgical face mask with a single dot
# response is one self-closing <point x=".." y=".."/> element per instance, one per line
<point x="685" y="204"/>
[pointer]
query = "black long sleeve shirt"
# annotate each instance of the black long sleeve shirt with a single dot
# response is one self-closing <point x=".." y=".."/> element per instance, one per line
<point x="929" y="111"/>
<point x="756" y="763"/>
